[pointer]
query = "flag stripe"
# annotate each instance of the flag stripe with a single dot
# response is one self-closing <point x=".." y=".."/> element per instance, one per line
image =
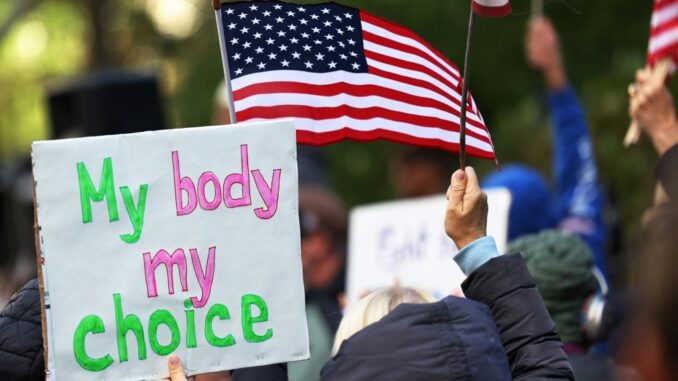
<point x="320" y="111"/>
<point x="330" y="125"/>
<point x="664" y="32"/>
<point x="402" y="35"/>
<point x="380" y="81"/>
<point x="310" y="137"/>
<point x="359" y="92"/>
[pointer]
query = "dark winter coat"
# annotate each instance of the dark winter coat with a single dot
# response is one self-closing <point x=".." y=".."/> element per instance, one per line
<point x="452" y="339"/>
<point x="21" y="354"/>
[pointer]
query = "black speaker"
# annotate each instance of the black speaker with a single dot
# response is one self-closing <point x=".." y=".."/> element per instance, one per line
<point x="106" y="103"/>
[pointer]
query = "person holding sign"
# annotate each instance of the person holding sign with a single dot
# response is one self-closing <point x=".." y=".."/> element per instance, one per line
<point x="501" y="332"/>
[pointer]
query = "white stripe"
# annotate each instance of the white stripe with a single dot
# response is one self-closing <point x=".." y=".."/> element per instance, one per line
<point x="329" y="125"/>
<point x="663" y="39"/>
<point x="389" y="52"/>
<point x="492" y="3"/>
<point x="379" y="31"/>
<point x="296" y="99"/>
<point x="664" y="15"/>
<point x="341" y="76"/>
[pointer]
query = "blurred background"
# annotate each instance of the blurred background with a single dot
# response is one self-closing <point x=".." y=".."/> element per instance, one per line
<point x="44" y="44"/>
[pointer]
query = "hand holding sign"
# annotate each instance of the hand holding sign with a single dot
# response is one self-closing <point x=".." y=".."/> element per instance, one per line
<point x="466" y="216"/>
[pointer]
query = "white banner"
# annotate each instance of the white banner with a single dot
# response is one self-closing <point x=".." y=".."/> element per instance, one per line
<point x="404" y="243"/>
<point x="174" y="242"/>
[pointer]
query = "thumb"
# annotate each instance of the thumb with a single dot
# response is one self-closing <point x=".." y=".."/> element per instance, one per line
<point x="458" y="187"/>
<point x="176" y="370"/>
<point x="473" y="185"/>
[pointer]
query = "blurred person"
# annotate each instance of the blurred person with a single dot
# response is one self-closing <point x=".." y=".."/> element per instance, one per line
<point x="652" y="339"/>
<point x="577" y="205"/>
<point x="653" y="108"/>
<point x="501" y="332"/>
<point x="562" y="268"/>
<point x="420" y="172"/>
<point x="323" y="219"/>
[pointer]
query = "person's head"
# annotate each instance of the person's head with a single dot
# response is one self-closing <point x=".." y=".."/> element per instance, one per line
<point x="374" y="307"/>
<point x="323" y="218"/>
<point x="421" y="172"/>
<point x="222" y="105"/>
<point x="652" y="345"/>
<point x="532" y="209"/>
<point x="562" y="268"/>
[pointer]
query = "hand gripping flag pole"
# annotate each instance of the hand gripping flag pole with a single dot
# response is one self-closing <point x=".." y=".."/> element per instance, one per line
<point x="216" y="4"/>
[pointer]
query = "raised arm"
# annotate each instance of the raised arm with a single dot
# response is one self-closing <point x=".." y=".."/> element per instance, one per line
<point x="580" y="197"/>
<point x="503" y="283"/>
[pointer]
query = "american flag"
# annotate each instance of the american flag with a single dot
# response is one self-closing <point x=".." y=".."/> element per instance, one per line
<point x="343" y="73"/>
<point x="664" y="32"/>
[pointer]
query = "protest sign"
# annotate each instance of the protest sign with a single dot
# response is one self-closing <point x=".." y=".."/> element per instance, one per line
<point x="404" y="243"/>
<point x="178" y="242"/>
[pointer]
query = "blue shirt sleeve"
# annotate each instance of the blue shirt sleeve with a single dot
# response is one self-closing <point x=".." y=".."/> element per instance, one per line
<point x="476" y="254"/>
<point x="580" y="197"/>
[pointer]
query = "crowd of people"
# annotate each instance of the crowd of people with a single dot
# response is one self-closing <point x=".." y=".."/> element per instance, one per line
<point x="543" y="310"/>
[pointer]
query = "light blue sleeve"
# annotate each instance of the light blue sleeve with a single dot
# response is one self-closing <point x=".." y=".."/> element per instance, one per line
<point x="476" y="254"/>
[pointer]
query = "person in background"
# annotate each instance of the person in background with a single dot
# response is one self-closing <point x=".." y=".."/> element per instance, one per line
<point x="501" y="332"/>
<point x="562" y="267"/>
<point x="578" y="203"/>
<point x="323" y="219"/>
<point x="419" y="172"/>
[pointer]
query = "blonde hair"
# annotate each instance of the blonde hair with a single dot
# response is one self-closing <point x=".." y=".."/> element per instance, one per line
<point x="374" y="307"/>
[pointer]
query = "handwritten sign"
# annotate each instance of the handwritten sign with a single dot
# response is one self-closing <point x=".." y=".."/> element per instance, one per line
<point x="404" y="242"/>
<point x="175" y="242"/>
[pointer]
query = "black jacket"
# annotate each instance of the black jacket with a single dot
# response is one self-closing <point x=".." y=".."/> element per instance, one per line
<point x="527" y="332"/>
<point x="666" y="173"/>
<point x="21" y="354"/>
<point x="530" y="343"/>
<point x="454" y="339"/>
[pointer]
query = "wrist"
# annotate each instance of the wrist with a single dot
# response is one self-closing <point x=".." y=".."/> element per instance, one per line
<point x="463" y="242"/>
<point x="555" y="77"/>
<point x="665" y="137"/>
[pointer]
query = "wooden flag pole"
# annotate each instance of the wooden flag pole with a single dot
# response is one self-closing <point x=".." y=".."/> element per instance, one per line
<point x="464" y="91"/>
<point x="216" y="4"/>
<point x="659" y="73"/>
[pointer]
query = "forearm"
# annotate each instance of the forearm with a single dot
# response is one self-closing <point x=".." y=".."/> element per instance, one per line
<point x="667" y="174"/>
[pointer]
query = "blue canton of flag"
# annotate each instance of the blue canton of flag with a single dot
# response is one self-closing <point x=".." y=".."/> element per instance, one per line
<point x="279" y="36"/>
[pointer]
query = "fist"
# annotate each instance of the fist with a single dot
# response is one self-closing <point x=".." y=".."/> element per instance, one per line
<point x="466" y="214"/>
<point x="542" y="45"/>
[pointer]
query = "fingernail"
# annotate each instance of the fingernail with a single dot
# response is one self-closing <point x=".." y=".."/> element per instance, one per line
<point x="174" y="360"/>
<point x="459" y="175"/>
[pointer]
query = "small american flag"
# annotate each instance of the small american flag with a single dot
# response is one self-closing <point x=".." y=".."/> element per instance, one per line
<point x="664" y="32"/>
<point x="492" y="8"/>
<point x="344" y="74"/>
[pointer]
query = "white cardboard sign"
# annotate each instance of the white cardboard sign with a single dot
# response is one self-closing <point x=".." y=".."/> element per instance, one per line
<point x="174" y="242"/>
<point x="404" y="243"/>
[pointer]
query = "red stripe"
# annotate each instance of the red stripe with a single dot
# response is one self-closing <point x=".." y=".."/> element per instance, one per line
<point x="659" y="4"/>
<point x="501" y="11"/>
<point x="415" y="82"/>
<point x="408" y="49"/>
<point x="345" y="88"/>
<point x="401" y="30"/>
<point x="313" y="138"/>
<point x="411" y="66"/>
<point x="661" y="28"/>
<point x="322" y="113"/>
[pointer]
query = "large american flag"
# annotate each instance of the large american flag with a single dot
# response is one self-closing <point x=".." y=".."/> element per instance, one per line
<point x="664" y="32"/>
<point x="344" y="73"/>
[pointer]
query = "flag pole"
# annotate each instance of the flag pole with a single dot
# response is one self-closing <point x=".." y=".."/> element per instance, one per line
<point x="216" y="4"/>
<point x="464" y="91"/>
<point x="537" y="8"/>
